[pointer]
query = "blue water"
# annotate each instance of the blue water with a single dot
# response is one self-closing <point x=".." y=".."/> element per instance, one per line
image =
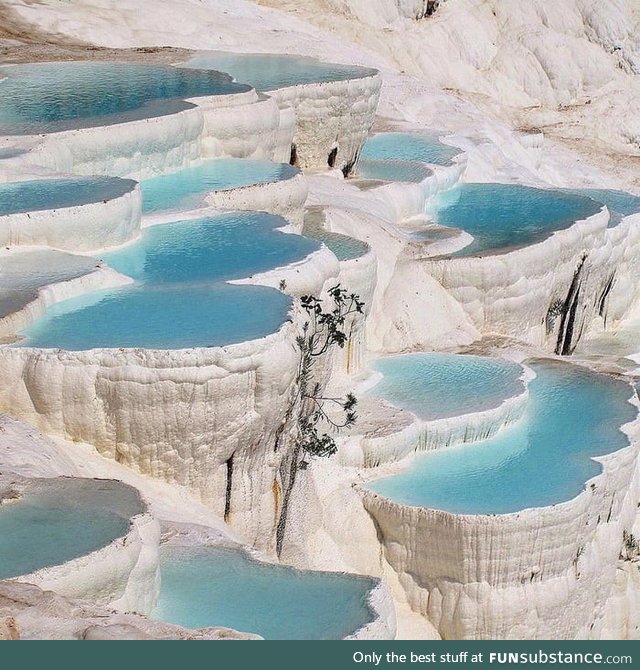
<point x="435" y="386"/>
<point x="171" y="317"/>
<point x="61" y="521"/>
<point x="266" y="72"/>
<point x="50" y="97"/>
<point x="180" y="298"/>
<point x="345" y="248"/>
<point x="618" y="202"/>
<point x="226" y="246"/>
<point x="408" y="147"/>
<point x="41" y="194"/>
<point x="187" y="188"/>
<point x="543" y="459"/>
<point x="393" y="170"/>
<point x="210" y="586"/>
<point x="500" y="216"/>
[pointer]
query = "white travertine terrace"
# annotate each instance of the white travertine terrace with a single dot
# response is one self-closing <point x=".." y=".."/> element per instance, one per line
<point x="176" y="415"/>
<point x="84" y="227"/>
<point x="404" y="201"/>
<point x="511" y="293"/>
<point x="306" y="277"/>
<point x="181" y="416"/>
<point x="317" y="118"/>
<point x="285" y="198"/>
<point x="383" y="626"/>
<point x="254" y="127"/>
<point x="331" y="117"/>
<point x="242" y="125"/>
<point x="137" y="150"/>
<point x="540" y="573"/>
<point x="397" y="320"/>
<point x="123" y="575"/>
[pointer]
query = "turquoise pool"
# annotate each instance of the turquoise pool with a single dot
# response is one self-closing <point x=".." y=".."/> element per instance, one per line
<point x="180" y="298"/>
<point x="393" y="170"/>
<point x="435" y="386"/>
<point x="58" y="520"/>
<point x="51" y="97"/>
<point x="211" y="586"/>
<point x="543" y="459"/>
<point x="232" y="245"/>
<point x="620" y="203"/>
<point x="187" y="188"/>
<point x="408" y="147"/>
<point x="171" y="317"/>
<point x="503" y="216"/>
<point x="267" y="72"/>
<point x="44" y="194"/>
<point x="344" y="247"/>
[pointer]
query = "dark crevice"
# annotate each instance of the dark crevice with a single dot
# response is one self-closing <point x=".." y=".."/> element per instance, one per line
<point x="564" y="346"/>
<point x="346" y="169"/>
<point x="227" y="498"/>
<point x="432" y="5"/>
<point x="333" y="154"/>
<point x="429" y="8"/>
<point x="567" y="349"/>
<point x="602" y="303"/>
<point x="293" y="159"/>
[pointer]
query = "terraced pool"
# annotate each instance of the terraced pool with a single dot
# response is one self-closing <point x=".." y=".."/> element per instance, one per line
<point x="211" y="586"/>
<point x="187" y="188"/>
<point x="57" y="520"/>
<point x="267" y="72"/>
<point x="45" y="194"/>
<point x="504" y="216"/>
<point x="180" y="298"/>
<point x="545" y="458"/>
<point x="51" y="97"/>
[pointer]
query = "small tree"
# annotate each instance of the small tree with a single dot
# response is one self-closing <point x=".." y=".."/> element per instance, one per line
<point x="323" y="330"/>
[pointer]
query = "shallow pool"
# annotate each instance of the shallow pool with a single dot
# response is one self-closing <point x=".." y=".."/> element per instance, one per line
<point x="618" y="202"/>
<point x="393" y="170"/>
<point x="267" y="72"/>
<point x="187" y="188"/>
<point x="180" y="298"/>
<point x="58" y="520"/>
<point x="502" y="216"/>
<point x="232" y="245"/>
<point x="543" y="459"/>
<point x="172" y="317"/>
<point x="45" y="194"/>
<point x="345" y="248"/>
<point x="408" y="147"/>
<point x="434" y="386"/>
<point x="51" y="97"/>
<point x="211" y="586"/>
